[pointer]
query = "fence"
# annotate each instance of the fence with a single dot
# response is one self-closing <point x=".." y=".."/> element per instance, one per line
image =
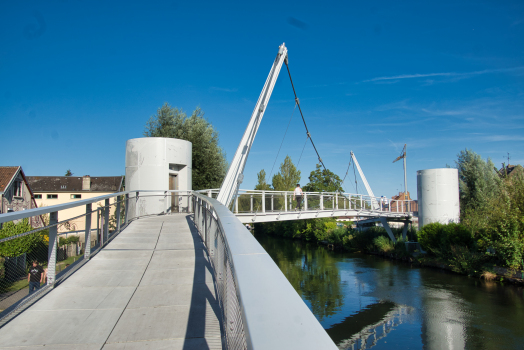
<point x="255" y="298"/>
<point x="260" y="308"/>
<point x="33" y="260"/>
<point x="257" y="201"/>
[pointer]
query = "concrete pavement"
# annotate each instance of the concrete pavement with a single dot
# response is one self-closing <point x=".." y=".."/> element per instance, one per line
<point x="150" y="288"/>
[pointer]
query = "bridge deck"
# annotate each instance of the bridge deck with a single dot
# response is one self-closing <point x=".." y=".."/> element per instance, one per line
<point x="151" y="287"/>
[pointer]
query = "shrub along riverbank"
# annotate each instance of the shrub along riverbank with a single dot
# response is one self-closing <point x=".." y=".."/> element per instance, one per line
<point x="451" y="247"/>
<point x="489" y="241"/>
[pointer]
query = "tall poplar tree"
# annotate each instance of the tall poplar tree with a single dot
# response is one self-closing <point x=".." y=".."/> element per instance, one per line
<point x="288" y="176"/>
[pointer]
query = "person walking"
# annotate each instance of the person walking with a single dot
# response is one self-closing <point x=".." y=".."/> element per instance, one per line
<point x="297" y="194"/>
<point x="35" y="276"/>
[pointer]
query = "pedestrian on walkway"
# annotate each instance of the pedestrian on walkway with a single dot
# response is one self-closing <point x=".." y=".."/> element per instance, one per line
<point x="297" y="194"/>
<point x="35" y="277"/>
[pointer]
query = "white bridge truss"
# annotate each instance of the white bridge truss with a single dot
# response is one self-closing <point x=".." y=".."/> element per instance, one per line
<point x="252" y="206"/>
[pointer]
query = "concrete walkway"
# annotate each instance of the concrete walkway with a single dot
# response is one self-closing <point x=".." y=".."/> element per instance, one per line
<point x="150" y="288"/>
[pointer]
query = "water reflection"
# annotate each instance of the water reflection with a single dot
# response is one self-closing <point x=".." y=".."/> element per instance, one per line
<point x="367" y="302"/>
<point x="369" y="325"/>
<point x="312" y="272"/>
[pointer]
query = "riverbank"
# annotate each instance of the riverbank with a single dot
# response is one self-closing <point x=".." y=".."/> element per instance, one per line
<point x="370" y="301"/>
<point x="498" y="274"/>
<point x="449" y="247"/>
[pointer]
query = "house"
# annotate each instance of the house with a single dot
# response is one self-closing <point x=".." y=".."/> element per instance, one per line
<point x="53" y="190"/>
<point x="16" y="193"/>
<point x="399" y="202"/>
<point x="510" y="170"/>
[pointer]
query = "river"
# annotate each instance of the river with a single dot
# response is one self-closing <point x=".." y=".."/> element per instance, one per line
<point x="367" y="302"/>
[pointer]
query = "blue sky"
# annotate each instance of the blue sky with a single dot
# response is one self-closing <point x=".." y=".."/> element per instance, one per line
<point x="78" y="79"/>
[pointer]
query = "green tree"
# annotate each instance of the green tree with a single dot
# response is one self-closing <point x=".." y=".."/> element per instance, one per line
<point x="323" y="181"/>
<point x="478" y="181"/>
<point x="262" y="185"/>
<point x="68" y="173"/>
<point x="287" y="178"/>
<point x="18" y="246"/>
<point x="209" y="159"/>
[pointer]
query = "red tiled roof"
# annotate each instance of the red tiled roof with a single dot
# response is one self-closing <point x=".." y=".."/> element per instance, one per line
<point x="6" y="174"/>
<point x="74" y="183"/>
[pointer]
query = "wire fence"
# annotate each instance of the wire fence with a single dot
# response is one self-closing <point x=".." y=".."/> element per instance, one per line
<point x="210" y="229"/>
<point x="34" y="259"/>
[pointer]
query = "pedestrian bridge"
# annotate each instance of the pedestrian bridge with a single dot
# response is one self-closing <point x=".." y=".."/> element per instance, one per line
<point x="252" y="206"/>
<point x="195" y="280"/>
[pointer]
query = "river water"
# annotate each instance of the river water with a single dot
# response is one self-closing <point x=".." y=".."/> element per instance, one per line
<point x="368" y="302"/>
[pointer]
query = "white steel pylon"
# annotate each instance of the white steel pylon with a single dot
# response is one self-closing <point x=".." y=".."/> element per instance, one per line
<point x="366" y="184"/>
<point x="235" y="176"/>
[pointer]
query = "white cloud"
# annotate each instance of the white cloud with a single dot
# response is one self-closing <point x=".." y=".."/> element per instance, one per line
<point x="223" y="89"/>
<point x="445" y="74"/>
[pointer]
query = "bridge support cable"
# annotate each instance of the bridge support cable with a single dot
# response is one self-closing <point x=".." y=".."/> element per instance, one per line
<point x="304" y="120"/>
<point x="304" y="147"/>
<point x="301" y="114"/>
<point x="234" y="175"/>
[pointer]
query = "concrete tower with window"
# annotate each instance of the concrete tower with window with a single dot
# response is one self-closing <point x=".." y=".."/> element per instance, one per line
<point x="158" y="164"/>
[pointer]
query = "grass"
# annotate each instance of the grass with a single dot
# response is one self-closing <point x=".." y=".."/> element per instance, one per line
<point x="22" y="282"/>
<point x="488" y="275"/>
<point x="60" y="266"/>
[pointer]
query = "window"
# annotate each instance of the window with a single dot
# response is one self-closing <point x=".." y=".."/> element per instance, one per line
<point x="76" y="196"/>
<point x="17" y="188"/>
<point x="52" y="196"/>
<point x="38" y="196"/>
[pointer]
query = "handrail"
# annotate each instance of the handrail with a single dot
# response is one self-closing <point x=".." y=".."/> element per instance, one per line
<point x="17" y="215"/>
<point x="273" y="315"/>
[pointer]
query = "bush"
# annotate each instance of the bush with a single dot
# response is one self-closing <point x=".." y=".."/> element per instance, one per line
<point x="336" y="236"/>
<point x="464" y="261"/>
<point x="384" y="244"/>
<point x="438" y="238"/>
<point x="26" y="244"/>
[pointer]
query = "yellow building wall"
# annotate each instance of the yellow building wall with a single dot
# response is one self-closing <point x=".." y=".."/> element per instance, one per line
<point x="77" y="224"/>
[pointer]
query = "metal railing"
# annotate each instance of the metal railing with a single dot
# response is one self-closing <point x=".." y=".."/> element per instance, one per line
<point x="257" y="201"/>
<point x="56" y="245"/>
<point x="260" y="308"/>
<point x="212" y="233"/>
<point x="46" y="250"/>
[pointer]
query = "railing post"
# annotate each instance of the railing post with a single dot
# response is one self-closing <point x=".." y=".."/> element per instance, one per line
<point x="53" y="245"/>
<point x="251" y="201"/>
<point x="106" y="220"/>
<point x="236" y="204"/>
<point x="361" y="202"/>
<point x="117" y="214"/>
<point x="305" y="201"/>
<point x="136" y="204"/>
<point x="204" y="212"/>
<point x="87" y="248"/>
<point x="272" y="197"/>
<point x="98" y="231"/>
<point x="209" y="194"/>
<point x="263" y="201"/>
<point x="285" y="200"/>
<point x="127" y="208"/>
<point x="321" y="202"/>
<point x="166" y="205"/>
<point x="335" y="201"/>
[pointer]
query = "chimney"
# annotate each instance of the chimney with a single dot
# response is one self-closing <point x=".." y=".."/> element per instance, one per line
<point x="86" y="183"/>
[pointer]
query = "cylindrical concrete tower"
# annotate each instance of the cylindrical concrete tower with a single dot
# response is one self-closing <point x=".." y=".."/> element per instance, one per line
<point x="438" y="196"/>
<point x="159" y="164"/>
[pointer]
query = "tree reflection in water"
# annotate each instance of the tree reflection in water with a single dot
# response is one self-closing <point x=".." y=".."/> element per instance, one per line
<point x="312" y="272"/>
